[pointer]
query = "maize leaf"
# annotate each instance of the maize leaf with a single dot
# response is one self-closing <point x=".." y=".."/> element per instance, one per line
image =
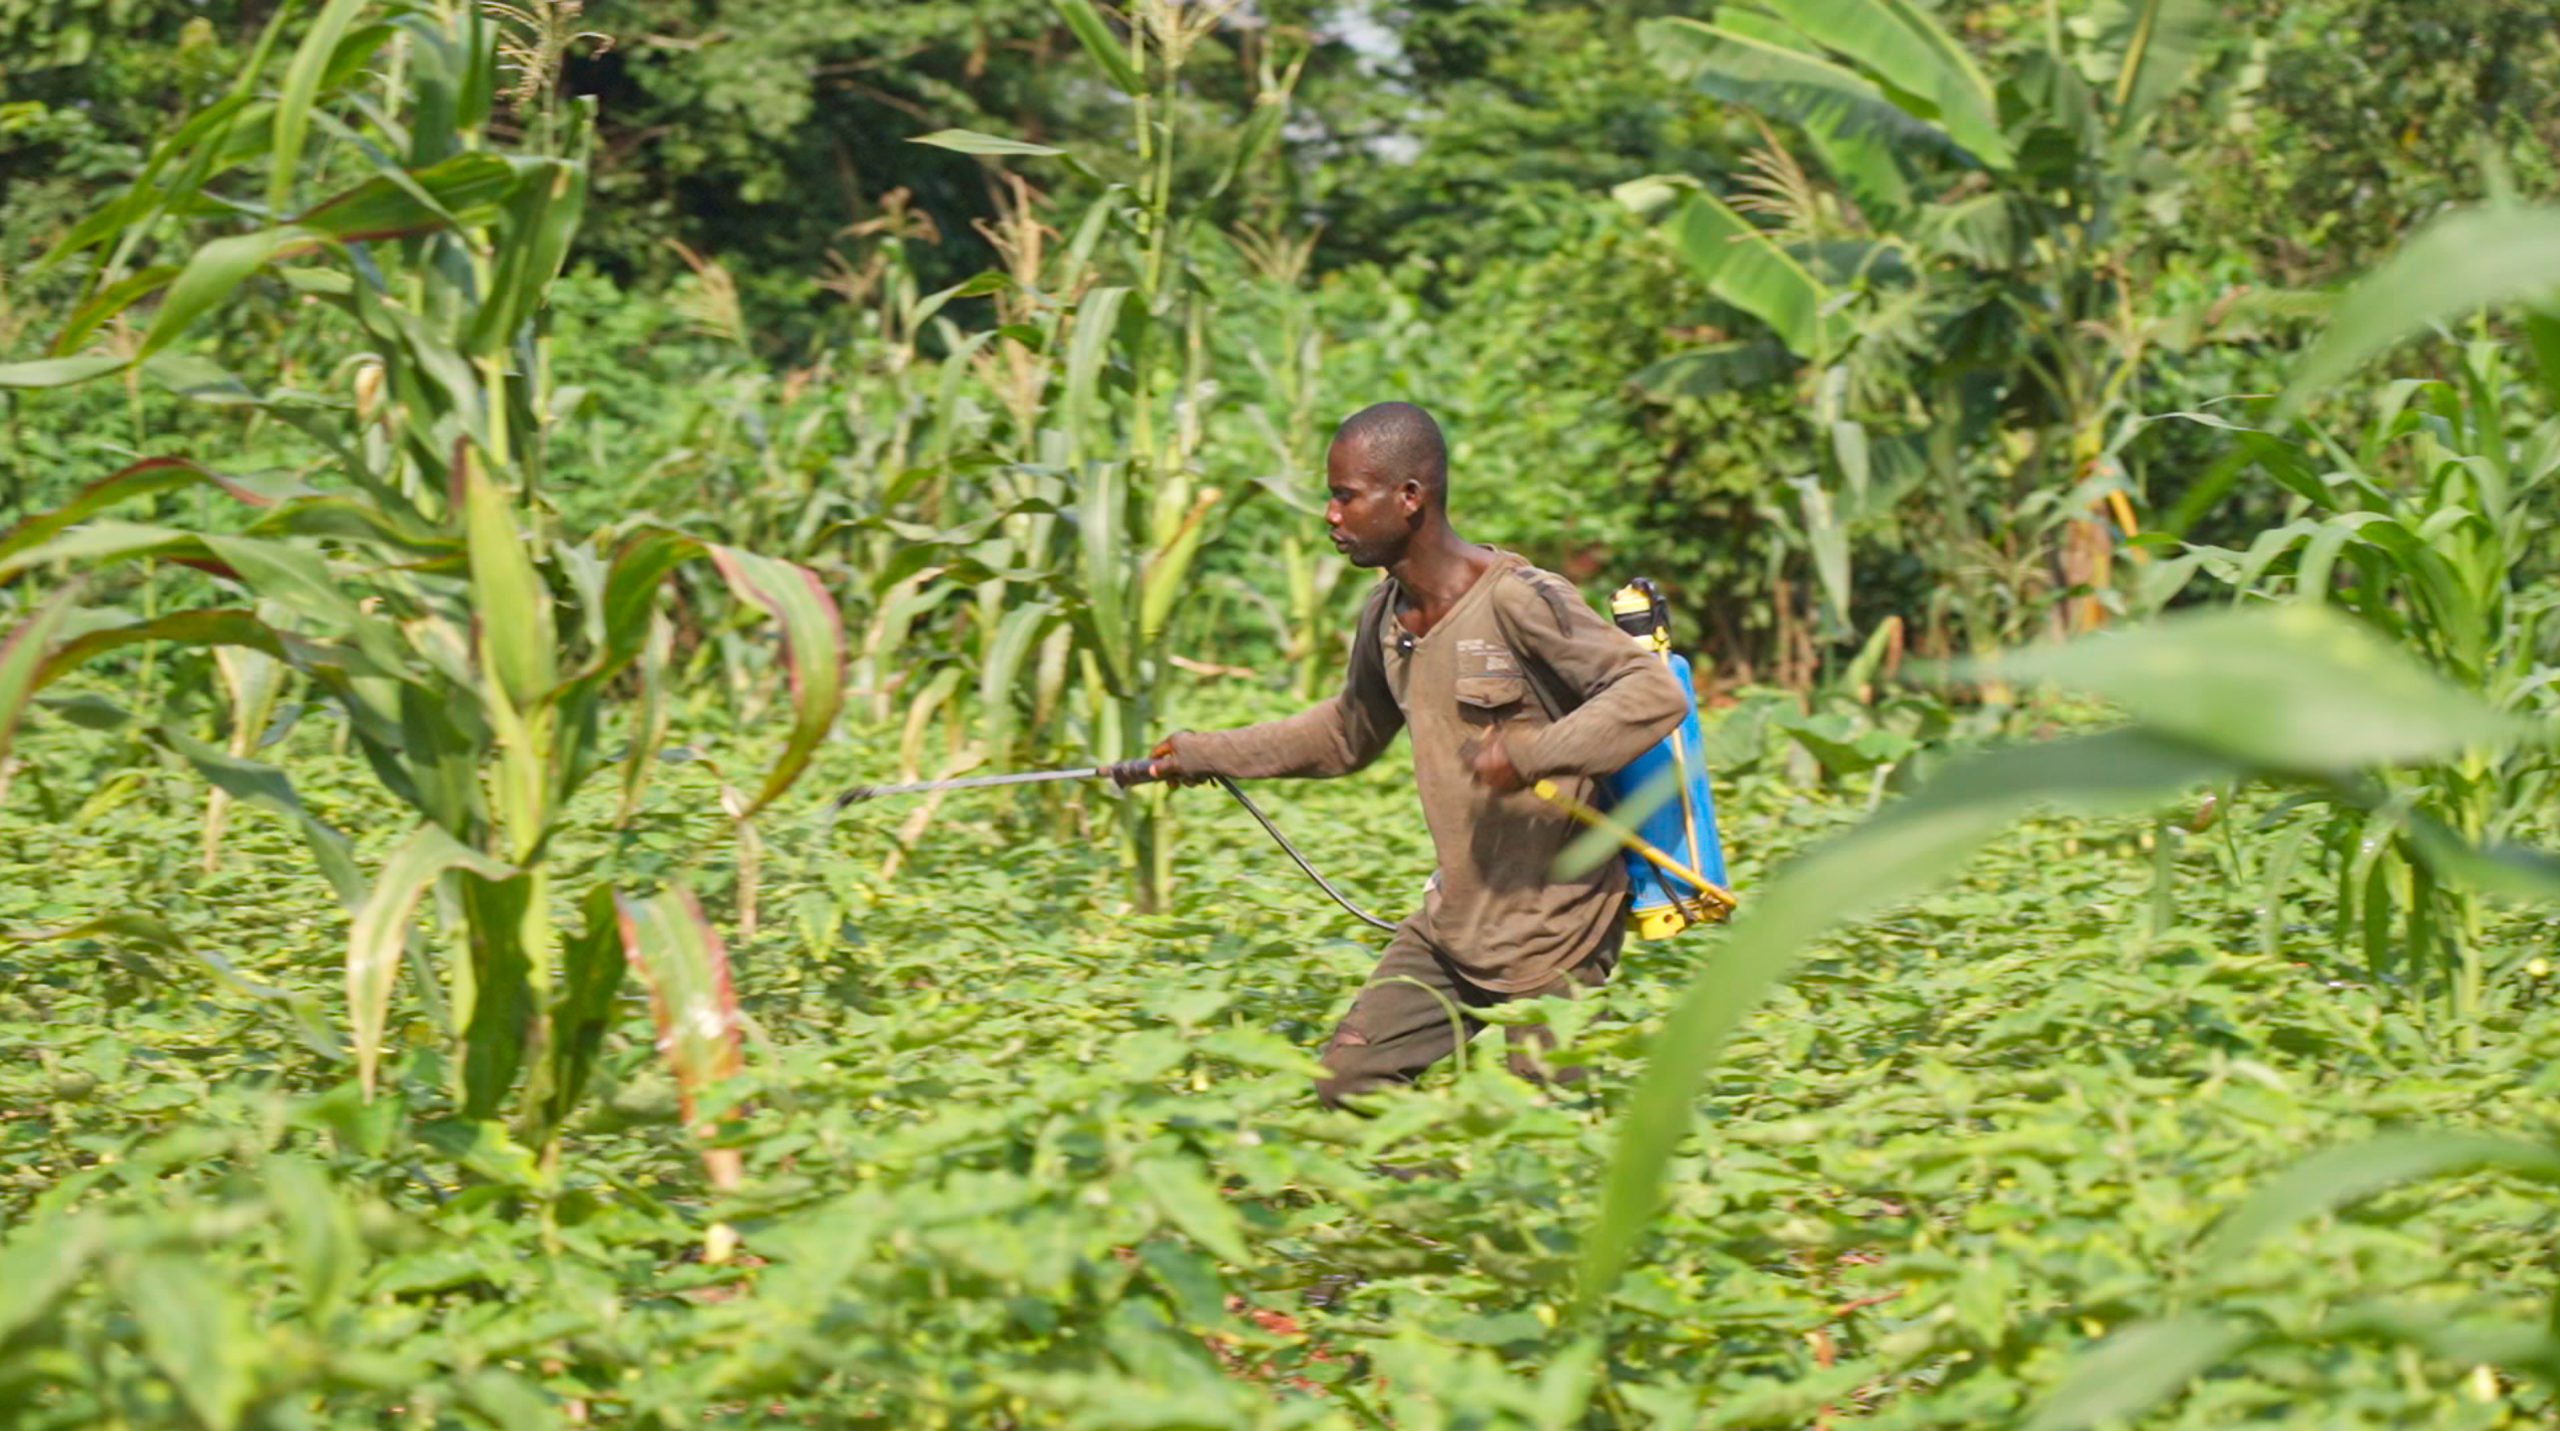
<point x="591" y="968"/>
<point x="1105" y="541"/>
<point x="382" y="929"/>
<point x="1105" y="47"/>
<point x="252" y="680"/>
<point x="108" y="302"/>
<point x="302" y="82"/>
<point x="647" y="728"/>
<point x="146" y="478"/>
<point x="2463" y="262"/>
<point x="812" y="652"/>
<point x="1899" y="853"/>
<point x="210" y="276"/>
<point x="466" y="189"/>
<point x="1015" y="635"/>
<point x="502" y="999"/>
<point x="23" y="663"/>
<point x="679" y="958"/>
<point x="542" y="215"/>
<point x="2292" y="688"/>
<point x="511" y="608"/>
<point x="58" y="372"/>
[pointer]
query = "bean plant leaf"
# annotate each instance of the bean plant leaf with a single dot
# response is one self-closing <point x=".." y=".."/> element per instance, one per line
<point x="44" y="1259"/>
<point x="196" y="1330"/>
<point x="1190" y="1201"/>
<point x="2138" y="1368"/>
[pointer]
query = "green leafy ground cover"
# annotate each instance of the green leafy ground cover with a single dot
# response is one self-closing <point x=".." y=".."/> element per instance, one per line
<point x="1016" y="1156"/>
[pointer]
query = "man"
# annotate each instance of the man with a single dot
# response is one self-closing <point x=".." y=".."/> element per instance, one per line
<point x="1504" y="676"/>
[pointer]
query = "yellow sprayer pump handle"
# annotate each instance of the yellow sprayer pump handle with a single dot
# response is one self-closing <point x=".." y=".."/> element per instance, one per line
<point x="1642" y="848"/>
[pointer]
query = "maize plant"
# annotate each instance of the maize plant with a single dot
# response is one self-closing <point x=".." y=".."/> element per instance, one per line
<point x="412" y="576"/>
<point x="1095" y="510"/>
<point x="2420" y="528"/>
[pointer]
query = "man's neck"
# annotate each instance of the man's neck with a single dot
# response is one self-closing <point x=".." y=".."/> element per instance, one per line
<point x="1438" y="569"/>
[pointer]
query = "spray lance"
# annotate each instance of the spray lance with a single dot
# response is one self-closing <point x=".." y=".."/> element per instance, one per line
<point x="1673" y="857"/>
<point x="1124" y="774"/>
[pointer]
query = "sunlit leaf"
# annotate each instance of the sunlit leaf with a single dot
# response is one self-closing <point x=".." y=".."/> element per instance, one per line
<point x="2340" y="1177"/>
<point x="2463" y="262"/>
<point x="381" y="932"/>
<point x="2137" y="1369"/>
<point x="2289" y="688"/>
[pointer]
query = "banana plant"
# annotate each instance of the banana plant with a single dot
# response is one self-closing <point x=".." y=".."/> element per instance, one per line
<point x="413" y="579"/>
<point x="1952" y="245"/>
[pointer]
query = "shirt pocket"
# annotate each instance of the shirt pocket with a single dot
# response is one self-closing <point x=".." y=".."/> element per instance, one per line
<point x="1492" y="698"/>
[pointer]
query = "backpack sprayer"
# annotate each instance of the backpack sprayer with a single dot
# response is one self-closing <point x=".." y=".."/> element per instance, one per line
<point x="1674" y="860"/>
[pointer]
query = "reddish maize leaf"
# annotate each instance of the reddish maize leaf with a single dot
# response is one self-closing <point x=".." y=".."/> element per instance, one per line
<point x="678" y="955"/>
<point x="812" y="653"/>
<point x="146" y="478"/>
<point x="812" y="630"/>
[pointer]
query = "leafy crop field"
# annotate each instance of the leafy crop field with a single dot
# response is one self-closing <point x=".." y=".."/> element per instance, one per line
<point x="1015" y="1159"/>
<point x="473" y="484"/>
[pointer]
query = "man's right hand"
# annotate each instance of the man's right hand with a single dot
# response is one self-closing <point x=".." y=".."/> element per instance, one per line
<point x="1168" y="765"/>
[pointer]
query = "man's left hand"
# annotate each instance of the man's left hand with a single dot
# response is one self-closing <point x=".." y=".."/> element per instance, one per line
<point x="1492" y="766"/>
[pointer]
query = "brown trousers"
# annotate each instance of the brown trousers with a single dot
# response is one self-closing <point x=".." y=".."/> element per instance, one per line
<point x="1413" y="1013"/>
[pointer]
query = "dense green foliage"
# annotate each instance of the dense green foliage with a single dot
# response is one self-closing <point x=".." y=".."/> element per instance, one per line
<point x="474" y="476"/>
<point x="989" y="1119"/>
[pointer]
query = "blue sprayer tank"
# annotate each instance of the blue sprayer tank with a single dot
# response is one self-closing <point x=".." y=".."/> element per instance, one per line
<point x="1680" y="829"/>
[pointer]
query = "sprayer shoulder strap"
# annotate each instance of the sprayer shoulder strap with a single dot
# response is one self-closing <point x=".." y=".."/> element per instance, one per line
<point x="1555" y="699"/>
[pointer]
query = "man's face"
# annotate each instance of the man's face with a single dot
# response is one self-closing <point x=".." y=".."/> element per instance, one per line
<point x="1368" y="514"/>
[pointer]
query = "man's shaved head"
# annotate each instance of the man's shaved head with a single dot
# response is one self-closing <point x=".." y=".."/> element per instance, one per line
<point x="1401" y="443"/>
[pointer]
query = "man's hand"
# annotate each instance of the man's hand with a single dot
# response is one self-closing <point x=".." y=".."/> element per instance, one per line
<point x="1492" y="767"/>
<point x="1168" y="766"/>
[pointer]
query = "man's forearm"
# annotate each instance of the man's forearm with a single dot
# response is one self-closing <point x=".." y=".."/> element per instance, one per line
<point x="1316" y="742"/>
<point x="1615" y="725"/>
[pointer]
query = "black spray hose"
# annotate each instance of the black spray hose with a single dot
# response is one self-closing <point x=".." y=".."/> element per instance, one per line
<point x="1322" y="883"/>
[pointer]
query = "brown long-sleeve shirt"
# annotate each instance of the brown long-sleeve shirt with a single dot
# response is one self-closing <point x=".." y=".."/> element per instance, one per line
<point x="1574" y="698"/>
